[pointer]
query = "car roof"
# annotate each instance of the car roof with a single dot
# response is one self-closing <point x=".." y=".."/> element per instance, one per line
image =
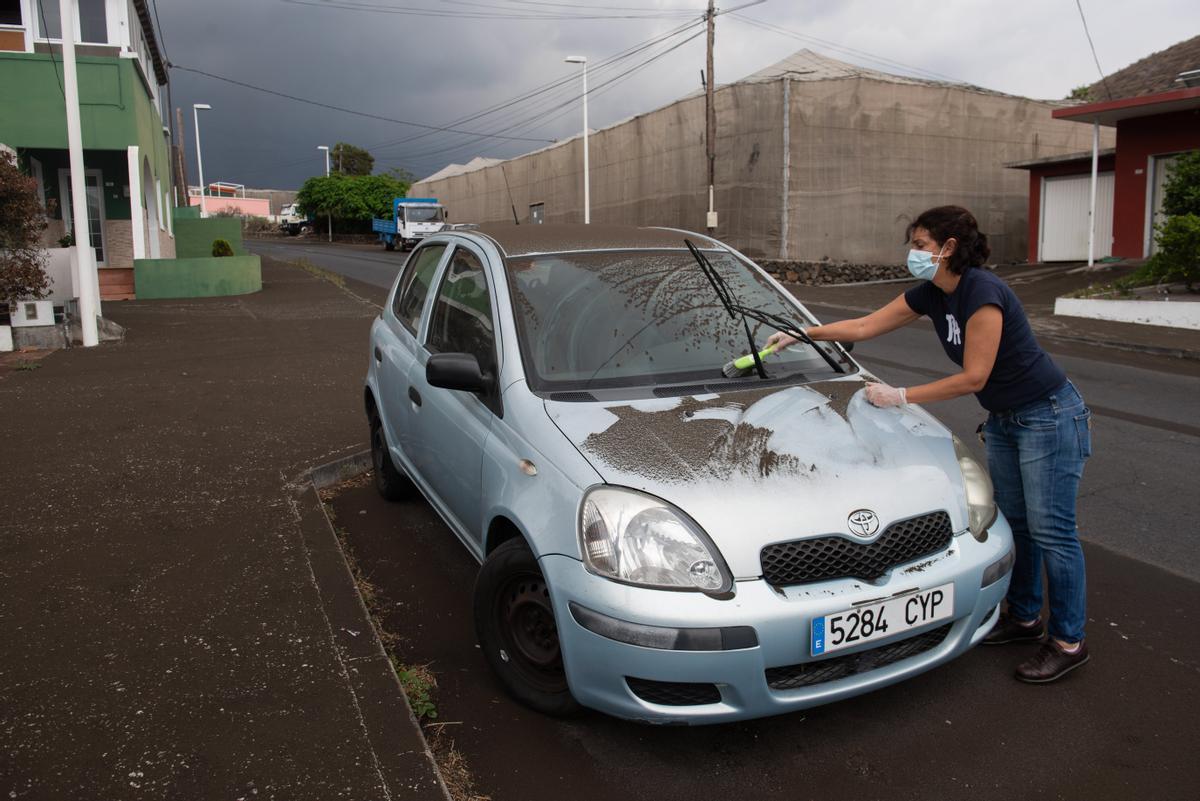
<point x="529" y="239"/>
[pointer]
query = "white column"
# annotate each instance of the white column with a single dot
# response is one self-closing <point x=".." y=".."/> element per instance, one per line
<point x="87" y="280"/>
<point x="1092" y="207"/>
<point x="135" y="202"/>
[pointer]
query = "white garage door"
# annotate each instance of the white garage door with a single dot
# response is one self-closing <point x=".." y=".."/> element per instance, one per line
<point x="1064" y="226"/>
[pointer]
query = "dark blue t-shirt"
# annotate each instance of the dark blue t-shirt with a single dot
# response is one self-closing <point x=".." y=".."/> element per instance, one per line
<point x="1023" y="372"/>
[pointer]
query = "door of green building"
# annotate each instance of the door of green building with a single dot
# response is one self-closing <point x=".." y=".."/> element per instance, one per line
<point x="93" y="182"/>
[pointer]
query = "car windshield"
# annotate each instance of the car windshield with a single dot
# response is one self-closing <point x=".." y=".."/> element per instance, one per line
<point x="626" y="318"/>
<point x="423" y="213"/>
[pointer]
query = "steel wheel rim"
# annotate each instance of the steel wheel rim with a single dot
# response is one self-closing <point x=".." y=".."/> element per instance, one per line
<point x="526" y="619"/>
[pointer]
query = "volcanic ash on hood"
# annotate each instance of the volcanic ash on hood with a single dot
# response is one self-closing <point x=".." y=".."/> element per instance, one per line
<point x="754" y="434"/>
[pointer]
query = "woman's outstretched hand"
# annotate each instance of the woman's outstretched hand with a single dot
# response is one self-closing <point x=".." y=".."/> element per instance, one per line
<point x="779" y="340"/>
<point x="883" y="396"/>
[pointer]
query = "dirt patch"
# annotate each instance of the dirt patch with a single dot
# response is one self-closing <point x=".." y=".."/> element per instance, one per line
<point x="418" y="680"/>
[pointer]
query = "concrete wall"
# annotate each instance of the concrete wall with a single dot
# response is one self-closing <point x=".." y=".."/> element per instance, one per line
<point x="197" y="277"/>
<point x="256" y="207"/>
<point x="194" y="237"/>
<point x="863" y="157"/>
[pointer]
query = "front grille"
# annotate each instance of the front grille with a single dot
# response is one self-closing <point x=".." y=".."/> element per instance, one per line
<point x="794" y="677"/>
<point x="674" y="693"/>
<point x="822" y="558"/>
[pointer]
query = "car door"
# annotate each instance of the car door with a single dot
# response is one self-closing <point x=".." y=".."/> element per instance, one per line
<point x="450" y="427"/>
<point x="395" y="349"/>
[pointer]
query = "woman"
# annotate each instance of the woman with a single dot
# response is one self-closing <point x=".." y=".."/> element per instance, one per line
<point x="1038" y="431"/>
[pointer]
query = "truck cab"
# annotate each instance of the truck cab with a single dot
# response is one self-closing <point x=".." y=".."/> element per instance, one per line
<point x="413" y="219"/>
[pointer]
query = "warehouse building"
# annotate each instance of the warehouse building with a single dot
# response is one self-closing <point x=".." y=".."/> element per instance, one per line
<point x="834" y="179"/>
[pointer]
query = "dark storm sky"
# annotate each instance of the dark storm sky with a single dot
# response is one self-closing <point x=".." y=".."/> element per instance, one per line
<point x="436" y="61"/>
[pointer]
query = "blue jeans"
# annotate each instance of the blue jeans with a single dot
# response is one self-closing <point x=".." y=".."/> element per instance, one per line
<point x="1036" y="455"/>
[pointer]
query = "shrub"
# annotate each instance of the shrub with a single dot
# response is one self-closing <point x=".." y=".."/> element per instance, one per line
<point x="258" y="225"/>
<point x="221" y="247"/>
<point x="22" y="220"/>
<point x="1178" y="256"/>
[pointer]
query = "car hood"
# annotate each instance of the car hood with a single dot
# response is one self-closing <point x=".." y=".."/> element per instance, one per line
<point x="763" y="465"/>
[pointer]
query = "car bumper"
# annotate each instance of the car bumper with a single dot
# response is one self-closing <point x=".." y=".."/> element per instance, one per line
<point x="731" y="682"/>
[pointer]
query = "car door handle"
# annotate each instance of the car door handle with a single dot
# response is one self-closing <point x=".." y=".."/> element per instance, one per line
<point x="414" y="396"/>
<point x="378" y="355"/>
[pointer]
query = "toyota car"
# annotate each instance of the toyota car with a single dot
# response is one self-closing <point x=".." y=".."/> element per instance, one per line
<point x="659" y="541"/>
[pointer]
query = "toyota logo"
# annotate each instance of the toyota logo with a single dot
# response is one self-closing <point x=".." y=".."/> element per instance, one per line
<point x="863" y="523"/>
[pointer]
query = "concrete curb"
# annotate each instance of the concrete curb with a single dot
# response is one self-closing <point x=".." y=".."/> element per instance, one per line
<point x="401" y="753"/>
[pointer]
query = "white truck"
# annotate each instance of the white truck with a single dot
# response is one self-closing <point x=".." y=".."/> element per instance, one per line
<point x="413" y="219"/>
<point x="292" y="222"/>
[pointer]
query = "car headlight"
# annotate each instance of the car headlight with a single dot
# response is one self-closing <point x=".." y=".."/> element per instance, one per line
<point x="981" y="502"/>
<point x="635" y="538"/>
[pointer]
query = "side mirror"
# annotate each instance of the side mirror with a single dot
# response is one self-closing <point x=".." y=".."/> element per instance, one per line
<point x="456" y="371"/>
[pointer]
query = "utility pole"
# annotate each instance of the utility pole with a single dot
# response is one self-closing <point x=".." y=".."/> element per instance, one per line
<point x="87" y="280"/>
<point x="710" y="113"/>
<point x="181" y="187"/>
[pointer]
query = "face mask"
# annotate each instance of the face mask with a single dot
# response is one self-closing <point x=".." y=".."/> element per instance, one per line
<point x="920" y="264"/>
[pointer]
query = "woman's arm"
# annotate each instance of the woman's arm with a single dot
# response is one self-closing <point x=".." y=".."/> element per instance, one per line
<point x="889" y="318"/>
<point x="979" y="356"/>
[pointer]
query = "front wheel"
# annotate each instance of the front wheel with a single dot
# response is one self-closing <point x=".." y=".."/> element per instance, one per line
<point x="514" y="621"/>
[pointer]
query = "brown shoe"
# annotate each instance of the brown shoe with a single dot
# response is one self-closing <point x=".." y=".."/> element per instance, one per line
<point x="1051" y="663"/>
<point x="1008" y="630"/>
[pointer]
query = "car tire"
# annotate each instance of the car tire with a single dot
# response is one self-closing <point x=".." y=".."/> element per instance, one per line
<point x="514" y="621"/>
<point x="390" y="482"/>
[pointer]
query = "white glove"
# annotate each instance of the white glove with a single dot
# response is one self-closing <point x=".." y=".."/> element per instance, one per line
<point x="883" y="396"/>
<point x="779" y="340"/>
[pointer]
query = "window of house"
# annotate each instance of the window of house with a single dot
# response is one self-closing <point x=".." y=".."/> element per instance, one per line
<point x="414" y="285"/>
<point x="10" y="12"/>
<point x="462" y="316"/>
<point x="49" y="24"/>
<point x="93" y="21"/>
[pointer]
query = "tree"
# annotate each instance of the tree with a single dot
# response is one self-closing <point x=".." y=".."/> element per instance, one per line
<point x="402" y="175"/>
<point x="22" y="220"/>
<point x="1181" y="194"/>
<point x="1082" y="93"/>
<point x="350" y="197"/>
<point x="346" y="159"/>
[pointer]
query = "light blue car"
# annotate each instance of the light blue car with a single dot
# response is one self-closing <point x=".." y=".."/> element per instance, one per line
<point x="658" y="541"/>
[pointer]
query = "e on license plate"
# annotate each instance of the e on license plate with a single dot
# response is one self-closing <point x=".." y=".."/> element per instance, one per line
<point x="886" y="618"/>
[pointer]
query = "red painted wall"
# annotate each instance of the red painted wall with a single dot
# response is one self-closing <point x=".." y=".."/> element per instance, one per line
<point x="1035" y="192"/>
<point x="1137" y="140"/>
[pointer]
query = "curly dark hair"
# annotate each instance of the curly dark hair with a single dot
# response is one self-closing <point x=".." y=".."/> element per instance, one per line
<point x="954" y="222"/>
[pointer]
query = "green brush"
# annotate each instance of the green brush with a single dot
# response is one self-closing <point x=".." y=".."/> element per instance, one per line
<point x="745" y="364"/>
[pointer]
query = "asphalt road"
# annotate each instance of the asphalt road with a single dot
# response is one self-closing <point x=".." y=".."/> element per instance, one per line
<point x="1138" y="496"/>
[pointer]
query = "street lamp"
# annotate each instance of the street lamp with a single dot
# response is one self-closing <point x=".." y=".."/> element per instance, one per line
<point x="330" y="214"/>
<point x="196" y="109"/>
<point x="587" y="188"/>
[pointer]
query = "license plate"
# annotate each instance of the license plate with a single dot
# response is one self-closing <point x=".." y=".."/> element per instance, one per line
<point x="887" y="618"/>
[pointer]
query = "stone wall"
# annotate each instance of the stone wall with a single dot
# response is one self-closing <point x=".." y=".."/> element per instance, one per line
<point x="816" y="273"/>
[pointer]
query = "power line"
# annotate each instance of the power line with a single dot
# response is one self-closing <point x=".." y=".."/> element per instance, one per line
<point x="844" y="49"/>
<point x="550" y="86"/>
<point x="342" y="108"/>
<point x="513" y="14"/>
<point x="1103" y="79"/>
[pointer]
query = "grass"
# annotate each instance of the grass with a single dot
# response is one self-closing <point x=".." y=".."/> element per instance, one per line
<point x="319" y="272"/>
<point x="25" y="364"/>
<point x="419" y="682"/>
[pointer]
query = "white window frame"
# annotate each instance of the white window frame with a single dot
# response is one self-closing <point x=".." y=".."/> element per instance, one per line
<point x="114" y="18"/>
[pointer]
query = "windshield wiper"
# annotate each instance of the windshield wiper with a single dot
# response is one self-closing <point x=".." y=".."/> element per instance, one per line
<point x="735" y="309"/>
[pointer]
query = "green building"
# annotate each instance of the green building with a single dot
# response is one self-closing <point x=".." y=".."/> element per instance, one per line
<point x="123" y="109"/>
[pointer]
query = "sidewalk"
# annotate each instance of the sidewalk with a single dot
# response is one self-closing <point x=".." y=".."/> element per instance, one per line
<point x="1037" y="285"/>
<point x="166" y="632"/>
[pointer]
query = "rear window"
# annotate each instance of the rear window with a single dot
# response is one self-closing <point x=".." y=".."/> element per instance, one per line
<point x="627" y="318"/>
